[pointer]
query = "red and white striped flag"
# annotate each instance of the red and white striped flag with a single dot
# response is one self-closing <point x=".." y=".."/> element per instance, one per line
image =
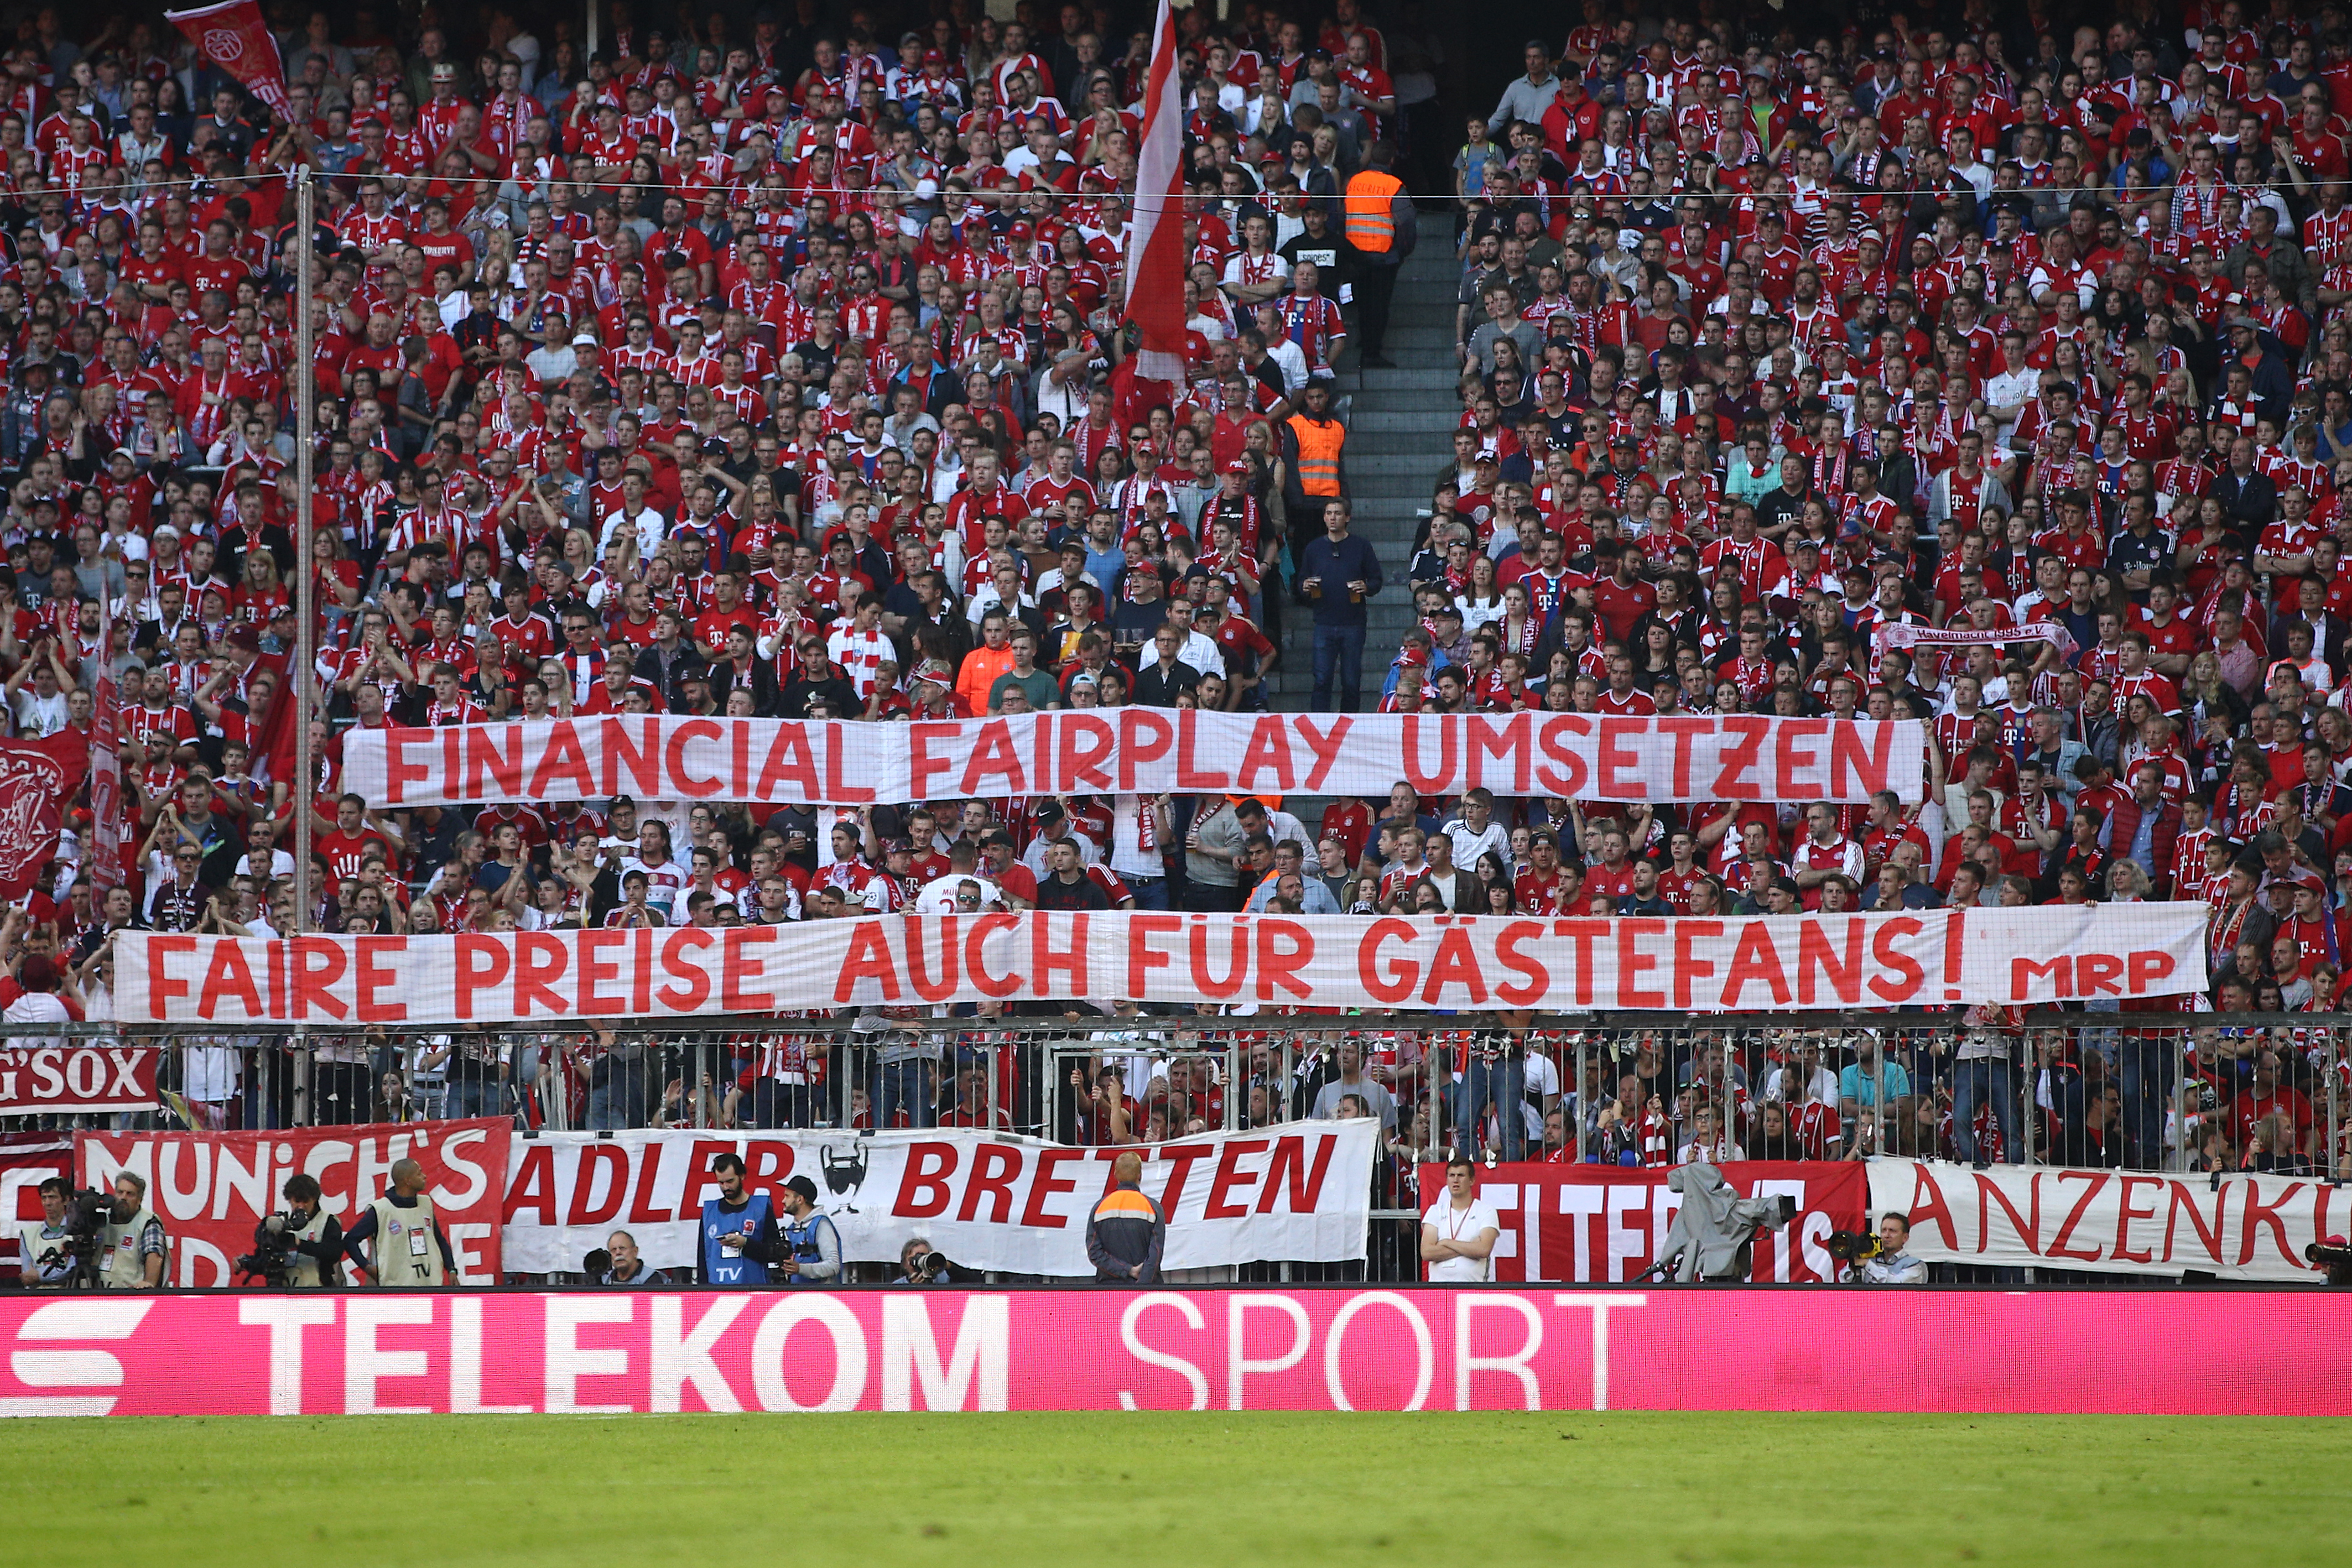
<point x="1155" y="255"/>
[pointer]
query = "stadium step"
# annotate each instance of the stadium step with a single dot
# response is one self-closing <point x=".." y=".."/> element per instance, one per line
<point x="1398" y="425"/>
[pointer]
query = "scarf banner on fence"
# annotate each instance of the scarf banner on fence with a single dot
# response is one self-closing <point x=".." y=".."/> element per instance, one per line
<point x="1591" y="1223"/>
<point x="1414" y="1347"/>
<point x="1323" y="963"/>
<point x="1300" y="1191"/>
<point x="210" y="1189"/>
<point x="37" y="1079"/>
<point x="1903" y="634"/>
<point x="1125" y="751"/>
<point x="2131" y="1222"/>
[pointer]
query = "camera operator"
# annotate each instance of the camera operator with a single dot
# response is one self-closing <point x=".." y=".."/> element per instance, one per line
<point x="918" y="1264"/>
<point x="47" y="1249"/>
<point x="409" y="1250"/>
<point x="313" y="1238"/>
<point x="628" y="1266"/>
<point x="1893" y="1266"/>
<point x="131" y="1241"/>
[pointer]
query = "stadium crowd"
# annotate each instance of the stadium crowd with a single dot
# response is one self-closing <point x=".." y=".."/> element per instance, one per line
<point x="1972" y="371"/>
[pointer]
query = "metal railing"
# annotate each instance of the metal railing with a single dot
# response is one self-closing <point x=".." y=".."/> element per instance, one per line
<point x="2167" y="1074"/>
<point x="2146" y="1092"/>
<point x="2176" y="1092"/>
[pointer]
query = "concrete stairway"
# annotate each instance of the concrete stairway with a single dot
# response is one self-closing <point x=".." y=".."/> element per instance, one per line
<point x="1399" y="426"/>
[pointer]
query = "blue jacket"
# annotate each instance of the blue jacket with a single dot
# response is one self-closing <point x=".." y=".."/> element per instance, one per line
<point x="1349" y="560"/>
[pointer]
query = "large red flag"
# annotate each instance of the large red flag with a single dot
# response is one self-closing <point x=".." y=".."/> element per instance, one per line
<point x="234" y="37"/>
<point x="36" y="779"/>
<point x="1155" y="253"/>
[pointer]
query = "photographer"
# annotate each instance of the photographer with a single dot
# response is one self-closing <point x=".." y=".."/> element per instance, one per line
<point x="131" y="1241"/>
<point x="409" y="1247"/>
<point x="1892" y="1266"/>
<point x="918" y="1264"/>
<point x="47" y="1249"/>
<point x="306" y="1243"/>
<point x="739" y="1240"/>
<point x="812" y="1242"/>
<point x="627" y="1268"/>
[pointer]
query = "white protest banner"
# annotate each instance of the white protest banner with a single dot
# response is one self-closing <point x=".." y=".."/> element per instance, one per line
<point x="532" y="978"/>
<point x="1300" y="1191"/>
<point x="790" y="762"/>
<point x="2243" y="1226"/>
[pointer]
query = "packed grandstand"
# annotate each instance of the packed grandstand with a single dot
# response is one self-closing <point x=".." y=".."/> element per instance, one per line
<point x="1982" y="381"/>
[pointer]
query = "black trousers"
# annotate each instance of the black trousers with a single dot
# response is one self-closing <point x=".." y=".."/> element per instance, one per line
<point x="1374" y="287"/>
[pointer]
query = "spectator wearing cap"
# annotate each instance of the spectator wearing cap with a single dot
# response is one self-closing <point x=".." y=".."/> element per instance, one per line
<point x="41" y="990"/>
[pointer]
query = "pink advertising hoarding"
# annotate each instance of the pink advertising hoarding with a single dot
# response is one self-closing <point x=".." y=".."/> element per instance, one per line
<point x="1330" y="1349"/>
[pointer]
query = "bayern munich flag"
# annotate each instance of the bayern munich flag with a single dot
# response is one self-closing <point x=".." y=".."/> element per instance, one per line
<point x="234" y="37"/>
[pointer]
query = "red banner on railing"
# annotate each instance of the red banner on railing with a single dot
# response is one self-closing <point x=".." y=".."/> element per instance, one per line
<point x="1594" y="1223"/>
<point x="210" y="1189"/>
<point x="26" y="1160"/>
<point x="34" y="1080"/>
<point x="1314" y="963"/>
<point x="1121" y="751"/>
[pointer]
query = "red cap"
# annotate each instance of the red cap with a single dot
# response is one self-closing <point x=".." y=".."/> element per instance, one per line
<point x="1019" y="231"/>
<point x="1238" y="466"/>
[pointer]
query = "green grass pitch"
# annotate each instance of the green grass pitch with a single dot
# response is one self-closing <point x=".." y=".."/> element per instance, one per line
<point x="1183" y="1491"/>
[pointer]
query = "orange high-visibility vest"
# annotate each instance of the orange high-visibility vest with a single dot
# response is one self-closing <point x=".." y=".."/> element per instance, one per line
<point x="1319" y="454"/>
<point x="1371" y="221"/>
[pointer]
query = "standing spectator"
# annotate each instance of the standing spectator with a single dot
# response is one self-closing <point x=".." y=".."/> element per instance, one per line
<point x="1458" y="1232"/>
<point x="1337" y="573"/>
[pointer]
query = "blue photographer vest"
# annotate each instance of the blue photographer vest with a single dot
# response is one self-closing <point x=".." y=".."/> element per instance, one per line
<point x="720" y="1267"/>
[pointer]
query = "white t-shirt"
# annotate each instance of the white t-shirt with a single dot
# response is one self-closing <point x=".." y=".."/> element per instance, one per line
<point x="937" y="896"/>
<point x="1453" y="1224"/>
<point x="281" y="864"/>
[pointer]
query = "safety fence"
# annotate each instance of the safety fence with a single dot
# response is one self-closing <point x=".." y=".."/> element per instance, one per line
<point x="2188" y="1095"/>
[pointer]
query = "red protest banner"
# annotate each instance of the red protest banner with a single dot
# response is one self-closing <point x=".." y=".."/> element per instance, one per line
<point x="210" y="1189"/>
<point x="1930" y="957"/>
<point x="1592" y="1223"/>
<point x="37" y="1078"/>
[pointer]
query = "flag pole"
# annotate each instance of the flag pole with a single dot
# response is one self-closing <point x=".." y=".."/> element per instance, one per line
<point x="301" y="677"/>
